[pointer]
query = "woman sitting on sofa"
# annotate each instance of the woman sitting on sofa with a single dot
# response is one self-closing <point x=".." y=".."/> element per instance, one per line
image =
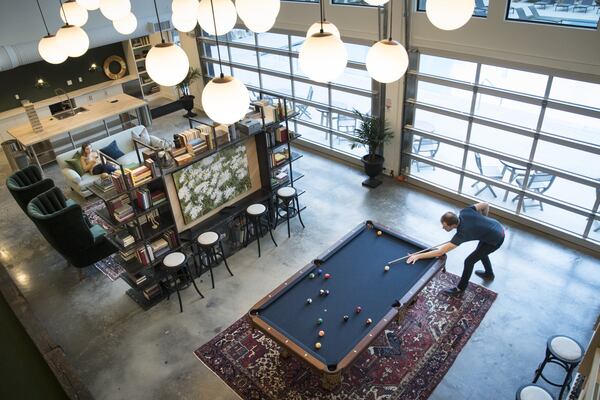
<point x="90" y="161"/>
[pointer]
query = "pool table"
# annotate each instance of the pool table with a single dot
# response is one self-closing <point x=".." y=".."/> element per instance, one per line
<point x="357" y="278"/>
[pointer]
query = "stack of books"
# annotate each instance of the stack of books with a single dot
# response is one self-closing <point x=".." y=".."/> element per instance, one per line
<point x="123" y="213"/>
<point x="279" y="178"/>
<point x="159" y="247"/>
<point x="138" y="278"/>
<point x="124" y="238"/>
<point x="140" y="175"/>
<point x="171" y="238"/>
<point x="145" y="255"/>
<point x="196" y="146"/>
<point x="104" y="184"/>
<point x="183" y="158"/>
<point x="222" y="132"/>
<point x="128" y="254"/>
<point x="157" y="197"/>
<point x="151" y="164"/>
<point x="118" y="181"/>
<point x="151" y="292"/>
<point x="279" y="157"/>
<point x="143" y="199"/>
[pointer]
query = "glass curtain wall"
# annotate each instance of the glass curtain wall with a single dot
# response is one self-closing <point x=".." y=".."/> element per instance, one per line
<point x="527" y="142"/>
<point x="269" y="62"/>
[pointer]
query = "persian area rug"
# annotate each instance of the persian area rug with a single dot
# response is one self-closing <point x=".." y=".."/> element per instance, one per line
<point x="406" y="362"/>
<point x="111" y="265"/>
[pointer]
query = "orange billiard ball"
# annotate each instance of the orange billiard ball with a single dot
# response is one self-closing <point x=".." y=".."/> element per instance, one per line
<point x="321" y="333"/>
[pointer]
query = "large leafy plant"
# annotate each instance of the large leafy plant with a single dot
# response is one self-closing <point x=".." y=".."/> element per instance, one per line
<point x="372" y="133"/>
<point x="184" y="86"/>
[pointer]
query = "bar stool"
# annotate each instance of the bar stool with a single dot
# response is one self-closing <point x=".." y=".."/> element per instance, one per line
<point x="287" y="201"/>
<point x="175" y="264"/>
<point x="211" y="247"/>
<point x="254" y="218"/>
<point x="532" y="392"/>
<point x="565" y="352"/>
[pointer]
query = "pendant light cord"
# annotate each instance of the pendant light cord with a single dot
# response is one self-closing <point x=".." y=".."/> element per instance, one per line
<point x="42" y="14"/>
<point x="391" y="17"/>
<point x="63" y="11"/>
<point x="216" y="36"/>
<point x="162" y="39"/>
<point x="322" y="11"/>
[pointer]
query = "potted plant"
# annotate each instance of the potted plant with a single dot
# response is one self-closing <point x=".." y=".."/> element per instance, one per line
<point x="372" y="133"/>
<point x="187" y="99"/>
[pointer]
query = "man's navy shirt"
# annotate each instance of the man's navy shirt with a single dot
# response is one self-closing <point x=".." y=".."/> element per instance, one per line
<point x="474" y="226"/>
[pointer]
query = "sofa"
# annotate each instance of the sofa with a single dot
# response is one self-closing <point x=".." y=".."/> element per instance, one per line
<point x="81" y="183"/>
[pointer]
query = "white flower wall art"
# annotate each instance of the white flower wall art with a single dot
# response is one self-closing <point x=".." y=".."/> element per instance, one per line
<point x="212" y="181"/>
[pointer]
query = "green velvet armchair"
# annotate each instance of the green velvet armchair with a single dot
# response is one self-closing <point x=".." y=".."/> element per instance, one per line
<point x="27" y="183"/>
<point x="64" y="226"/>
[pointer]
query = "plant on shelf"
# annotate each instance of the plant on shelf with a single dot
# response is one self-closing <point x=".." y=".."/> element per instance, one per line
<point x="372" y="133"/>
<point x="187" y="99"/>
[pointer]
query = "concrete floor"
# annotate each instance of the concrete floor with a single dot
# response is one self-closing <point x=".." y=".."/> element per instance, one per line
<point x="122" y="352"/>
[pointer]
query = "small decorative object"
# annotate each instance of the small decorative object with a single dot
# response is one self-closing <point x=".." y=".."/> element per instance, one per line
<point x="93" y="67"/>
<point x="386" y="268"/>
<point x="321" y="333"/>
<point x="372" y="133"/>
<point x="115" y="67"/>
<point x="327" y="276"/>
<point x="41" y="83"/>
<point x="308" y="301"/>
<point x="369" y="321"/>
<point x="358" y="309"/>
<point x="346" y="318"/>
<point x="317" y="345"/>
<point x="34" y="120"/>
<point x="187" y="99"/>
<point x="319" y="321"/>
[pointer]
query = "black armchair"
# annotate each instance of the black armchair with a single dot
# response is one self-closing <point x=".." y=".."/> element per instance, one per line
<point x="63" y="225"/>
<point x="27" y="183"/>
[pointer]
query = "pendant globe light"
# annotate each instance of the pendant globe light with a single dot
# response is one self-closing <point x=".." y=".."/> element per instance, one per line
<point x="449" y="15"/>
<point x="76" y="14"/>
<point x="220" y="16"/>
<point x="376" y="2"/>
<point x="49" y="47"/>
<point x="127" y="25"/>
<point x="323" y="56"/>
<point x="166" y="63"/>
<point x="258" y="15"/>
<point x="115" y="9"/>
<point x="225" y="99"/>
<point x="327" y="27"/>
<point x="89" y="5"/>
<point x="73" y="40"/>
<point x="387" y="59"/>
<point x="184" y="22"/>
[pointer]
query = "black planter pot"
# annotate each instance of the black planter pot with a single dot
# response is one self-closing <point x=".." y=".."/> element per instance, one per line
<point x="373" y="167"/>
<point x="187" y="103"/>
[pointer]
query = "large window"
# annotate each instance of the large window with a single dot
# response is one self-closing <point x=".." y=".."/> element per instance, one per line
<point x="481" y="7"/>
<point x="269" y="62"/>
<point x="582" y="13"/>
<point x="525" y="141"/>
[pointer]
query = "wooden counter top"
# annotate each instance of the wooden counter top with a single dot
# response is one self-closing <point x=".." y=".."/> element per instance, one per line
<point x="96" y="112"/>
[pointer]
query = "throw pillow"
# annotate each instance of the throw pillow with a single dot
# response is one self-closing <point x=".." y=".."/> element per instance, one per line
<point x="143" y="136"/>
<point x="75" y="164"/>
<point x="157" y="142"/>
<point x="113" y="151"/>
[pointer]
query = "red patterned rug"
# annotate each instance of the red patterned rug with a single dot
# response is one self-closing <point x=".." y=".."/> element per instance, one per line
<point x="406" y="362"/>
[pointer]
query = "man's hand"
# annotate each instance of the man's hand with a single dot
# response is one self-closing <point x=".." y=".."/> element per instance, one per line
<point x="413" y="258"/>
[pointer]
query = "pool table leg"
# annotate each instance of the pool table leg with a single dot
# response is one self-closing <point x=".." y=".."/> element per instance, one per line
<point x="331" y="381"/>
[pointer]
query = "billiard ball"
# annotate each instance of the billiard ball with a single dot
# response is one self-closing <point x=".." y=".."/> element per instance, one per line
<point x="320" y="271"/>
<point x="327" y="276"/>
<point x="311" y="275"/>
<point x="346" y="318"/>
<point x="358" y="309"/>
<point x="386" y="268"/>
<point x="321" y="333"/>
<point x="321" y="292"/>
<point x="308" y="301"/>
<point x="319" y="321"/>
<point x="379" y="233"/>
<point x="317" y="345"/>
<point x="369" y="321"/>
<point x="326" y="292"/>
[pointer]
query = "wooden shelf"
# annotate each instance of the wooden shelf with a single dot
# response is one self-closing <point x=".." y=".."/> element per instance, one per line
<point x="280" y="144"/>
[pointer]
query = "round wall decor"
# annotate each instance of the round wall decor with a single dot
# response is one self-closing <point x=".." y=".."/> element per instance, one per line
<point x="115" y="67"/>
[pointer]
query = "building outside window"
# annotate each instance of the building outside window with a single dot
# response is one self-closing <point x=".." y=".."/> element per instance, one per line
<point x="269" y="62"/>
<point x="527" y="142"/>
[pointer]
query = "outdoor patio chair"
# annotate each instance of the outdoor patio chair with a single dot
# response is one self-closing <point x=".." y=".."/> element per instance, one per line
<point x="538" y="182"/>
<point x="302" y="109"/>
<point x="480" y="7"/>
<point x="562" y="4"/>
<point x="535" y="16"/>
<point x="584" y="5"/>
<point x="489" y="171"/>
<point x="543" y="3"/>
<point x="425" y="147"/>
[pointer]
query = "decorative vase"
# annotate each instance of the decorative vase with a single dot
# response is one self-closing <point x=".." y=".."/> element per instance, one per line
<point x="373" y="167"/>
<point x="187" y="102"/>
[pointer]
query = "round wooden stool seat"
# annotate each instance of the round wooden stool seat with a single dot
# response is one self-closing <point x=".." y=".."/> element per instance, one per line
<point x="256" y="209"/>
<point x="533" y="392"/>
<point x="286" y="192"/>
<point x="208" y="239"/>
<point x="174" y="260"/>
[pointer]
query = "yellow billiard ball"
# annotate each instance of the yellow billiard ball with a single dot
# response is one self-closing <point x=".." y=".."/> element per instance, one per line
<point x="317" y="345"/>
<point x="379" y="233"/>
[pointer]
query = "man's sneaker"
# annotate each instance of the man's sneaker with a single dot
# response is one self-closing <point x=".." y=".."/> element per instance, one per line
<point x="484" y="275"/>
<point x="453" y="291"/>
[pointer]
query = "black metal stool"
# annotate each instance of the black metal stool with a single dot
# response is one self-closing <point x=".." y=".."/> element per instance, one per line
<point x="532" y="392"/>
<point x="175" y="267"/>
<point x="565" y="352"/>
<point x="211" y="247"/>
<point x="287" y="202"/>
<point x="255" y="214"/>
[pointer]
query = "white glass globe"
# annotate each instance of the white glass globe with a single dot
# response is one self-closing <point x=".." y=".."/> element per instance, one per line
<point x="225" y="16"/>
<point x="51" y="50"/>
<point x="115" y="9"/>
<point x="387" y="61"/>
<point x="258" y="15"/>
<point x="449" y="15"/>
<point x="89" y="4"/>
<point x="323" y="57"/>
<point x="75" y="14"/>
<point x="73" y="40"/>
<point x="184" y="22"/>
<point x="327" y="27"/>
<point x="184" y="7"/>
<point x="376" y="2"/>
<point x="225" y="100"/>
<point x="127" y="25"/>
<point x="167" y="64"/>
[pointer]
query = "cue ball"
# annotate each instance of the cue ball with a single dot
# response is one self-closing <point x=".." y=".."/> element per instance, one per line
<point x="308" y="301"/>
<point x="386" y="268"/>
<point x="321" y="333"/>
<point x="319" y="321"/>
<point x="317" y="345"/>
<point x="321" y="292"/>
<point x="369" y="321"/>
<point x="379" y="233"/>
<point x="327" y="276"/>
<point x="346" y="318"/>
<point x="358" y="309"/>
<point x="311" y="276"/>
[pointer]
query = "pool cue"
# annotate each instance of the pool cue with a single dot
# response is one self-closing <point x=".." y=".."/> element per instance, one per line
<point x="422" y="251"/>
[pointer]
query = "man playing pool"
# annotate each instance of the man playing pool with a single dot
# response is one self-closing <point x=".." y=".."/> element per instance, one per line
<point x="472" y="223"/>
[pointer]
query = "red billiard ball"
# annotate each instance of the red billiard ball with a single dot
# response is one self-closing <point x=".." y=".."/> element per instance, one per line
<point x="358" y="309"/>
<point x="321" y="333"/>
<point x="327" y="276"/>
